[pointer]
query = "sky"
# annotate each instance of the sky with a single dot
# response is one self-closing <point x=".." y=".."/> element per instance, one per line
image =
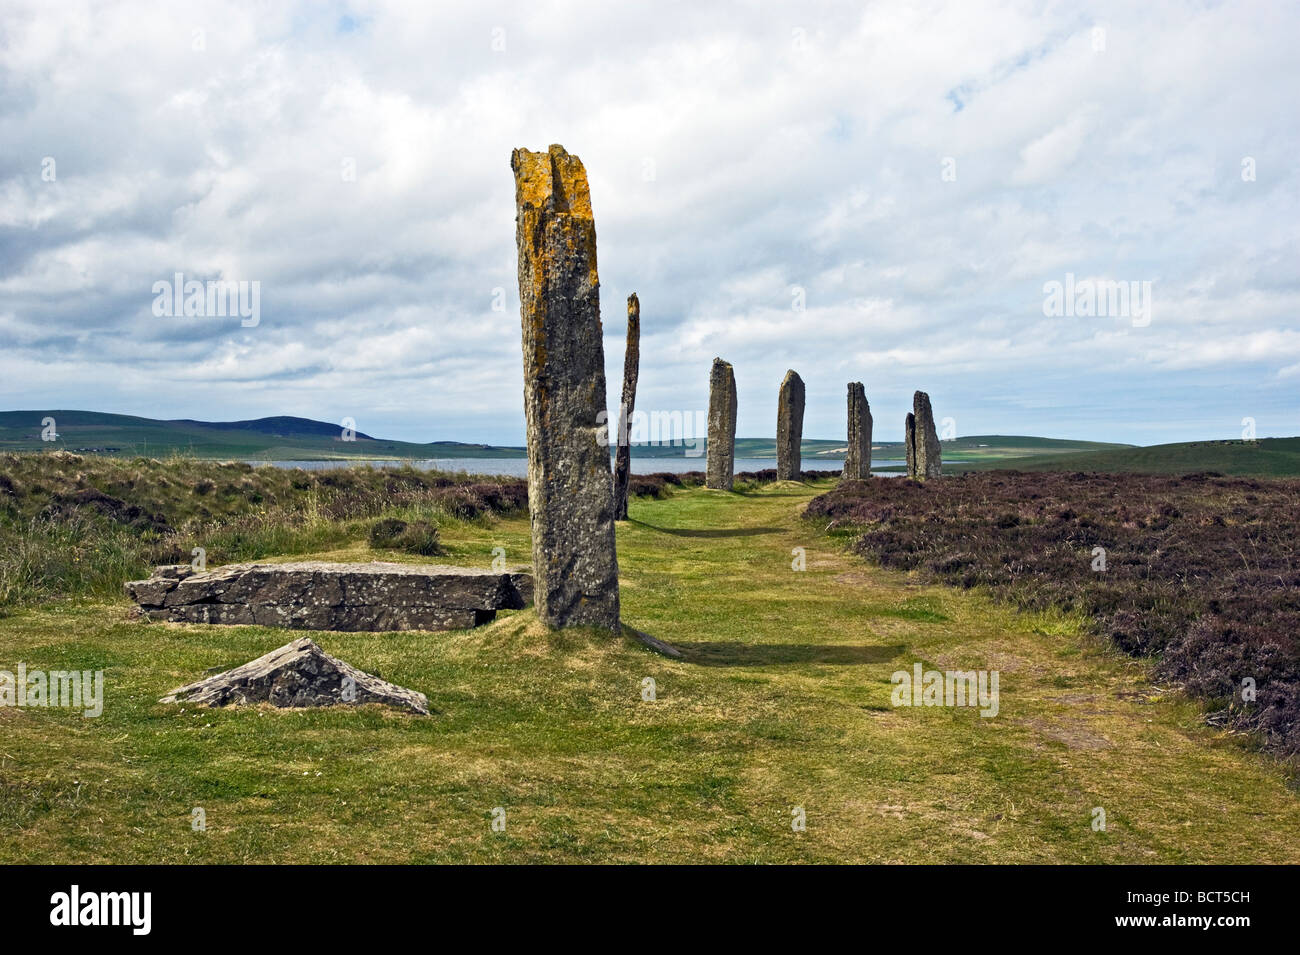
<point x="875" y="192"/>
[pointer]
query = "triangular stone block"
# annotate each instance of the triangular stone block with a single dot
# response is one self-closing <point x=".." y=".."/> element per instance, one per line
<point x="298" y="674"/>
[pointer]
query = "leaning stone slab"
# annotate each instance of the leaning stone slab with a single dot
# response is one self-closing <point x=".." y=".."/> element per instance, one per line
<point x="298" y="674"/>
<point x="720" y="473"/>
<point x="313" y="595"/>
<point x="570" y="488"/>
<point x="789" y="428"/>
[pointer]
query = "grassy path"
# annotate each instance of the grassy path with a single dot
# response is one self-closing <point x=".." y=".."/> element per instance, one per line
<point x="784" y="702"/>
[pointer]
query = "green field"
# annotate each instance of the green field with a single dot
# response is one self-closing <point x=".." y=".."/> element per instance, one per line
<point x="781" y="705"/>
<point x="1267" y="457"/>
<point x="976" y="447"/>
<point x="996" y="450"/>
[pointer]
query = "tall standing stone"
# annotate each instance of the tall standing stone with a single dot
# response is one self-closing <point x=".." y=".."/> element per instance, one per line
<point x="722" y="426"/>
<point x="789" y="428"/>
<point x="925" y="439"/>
<point x="857" y="457"/>
<point x="909" y="436"/>
<point x="631" y="367"/>
<point x="570" y="492"/>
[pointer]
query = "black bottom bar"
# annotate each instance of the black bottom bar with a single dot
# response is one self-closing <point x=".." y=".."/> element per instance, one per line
<point x="344" y="905"/>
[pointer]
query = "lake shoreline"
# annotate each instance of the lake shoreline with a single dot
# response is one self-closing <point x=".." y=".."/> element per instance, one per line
<point x="518" y="467"/>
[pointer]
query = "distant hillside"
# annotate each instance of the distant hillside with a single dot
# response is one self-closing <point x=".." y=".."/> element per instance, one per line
<point x="745" y="448"/>
<point x="981" y="447"/>
<point x="277" y="438"/>
<point x="281" y="426"/>
<point x="983" y="451"/>
<point x="1268" y="457"/>
<point x="288" y="438"/>
<point x="1013" y="445"/>
<point x="285" y="437"/>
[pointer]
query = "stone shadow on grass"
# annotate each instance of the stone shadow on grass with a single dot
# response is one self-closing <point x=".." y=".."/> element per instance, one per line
<point x="732" y="654"/>
<point x="690" y="532"/>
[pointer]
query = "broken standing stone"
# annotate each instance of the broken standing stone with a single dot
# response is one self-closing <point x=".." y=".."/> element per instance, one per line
<point x="722" y="427"/>
<point x="857" y="457"/>
<point x="909" y="436"/>
<point x="789" y="427"/>
<point x="631" y="364"/>
<point x="924" y="457"/>
<point x="314" y="595"/>
<point x="570" y="491"/>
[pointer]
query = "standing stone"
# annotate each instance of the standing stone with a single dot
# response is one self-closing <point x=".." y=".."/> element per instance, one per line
<point x="789" y="427"/>
<point x="909" y="435"/>
<point x="631" y="366"/>
<point x="722" y="426"/>
<point x="570" y="491"/>
<point x="925" y="439"/>
<point x="857" y="457"/>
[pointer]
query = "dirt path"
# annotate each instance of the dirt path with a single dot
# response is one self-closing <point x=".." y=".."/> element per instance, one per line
<point x="1078" y="729"/>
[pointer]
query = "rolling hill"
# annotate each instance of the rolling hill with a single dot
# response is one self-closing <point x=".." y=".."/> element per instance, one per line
<point x="288" y="438"/>
<point x="284" y="437"/>
<point x="276" y="438"/>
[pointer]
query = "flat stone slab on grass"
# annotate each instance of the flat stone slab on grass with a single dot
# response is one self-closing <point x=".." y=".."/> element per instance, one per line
<point x="315" y="595"/>
<point x="298" y="674"/>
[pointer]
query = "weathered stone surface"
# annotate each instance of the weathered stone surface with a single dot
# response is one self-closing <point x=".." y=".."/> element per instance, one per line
<point x="789" y="428"/>
<point x="722" y="427"/>
<point x="152" y="592"/>
<point x="298" y="674"/>
<point x="857" y="457"/>
<point x="570" y="489"/>
<point x="925" y="439"/>
<point x="909" y="436"/>
<point x="174" y="571"/>
<point x="631" y="368"/>
<point x="313" y="595"/>
<point x="161" y="582"/>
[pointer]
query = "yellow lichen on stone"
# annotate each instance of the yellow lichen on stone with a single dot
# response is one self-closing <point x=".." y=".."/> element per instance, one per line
<point x="553" y="178"/>
<point x="572" y="183"/>
<point x="569" y="490"/>
<point x="532" y="177"/>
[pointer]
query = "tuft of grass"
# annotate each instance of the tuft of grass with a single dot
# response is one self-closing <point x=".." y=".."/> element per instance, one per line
<point x="414" y="537"/>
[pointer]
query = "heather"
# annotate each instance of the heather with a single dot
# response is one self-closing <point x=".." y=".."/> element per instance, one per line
<point x="1198" y="571"/>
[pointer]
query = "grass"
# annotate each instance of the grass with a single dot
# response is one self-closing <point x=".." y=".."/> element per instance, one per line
<point x="78" y="525"/>
<point x="783" y="702"/>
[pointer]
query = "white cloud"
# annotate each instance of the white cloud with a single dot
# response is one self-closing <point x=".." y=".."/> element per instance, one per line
<point x="732" y="155"/>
